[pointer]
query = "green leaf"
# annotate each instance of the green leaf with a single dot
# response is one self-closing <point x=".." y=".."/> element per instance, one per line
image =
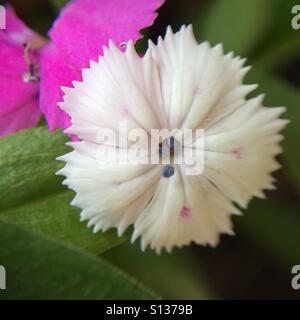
<point x="53" y="216"/>
<point x="283" y="42"/>
<point x="274" y="225"/>
<point x="32" y="195"/>
<point x="280" y="93"/>
<point x="173" y="276"/>
<point x="38" y="268"/>
<point x="279" y="54"/>
<point x="28" y="166"/>
<point x="282" y="16"/>
<point x="239" y="25"/>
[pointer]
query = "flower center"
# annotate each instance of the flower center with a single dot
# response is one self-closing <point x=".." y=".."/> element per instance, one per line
<point x="167" y="150"/>
<point x="167" y="171"/>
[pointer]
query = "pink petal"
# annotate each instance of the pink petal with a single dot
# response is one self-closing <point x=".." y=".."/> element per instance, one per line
<point x="12" y="57"/>
<point x="16" y="29"/>
<point x="85" y="26"/>
<point x="15" y="93"/>
<point x="19" y="102"/>
<point x="26" y="117"/>
<point x="54" y="74"/>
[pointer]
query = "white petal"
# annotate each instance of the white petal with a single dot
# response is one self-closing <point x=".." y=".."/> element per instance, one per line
<point x="159" y="223"/>
<point x="199" y="83"/>
<point x="120" y="87"/>
<point x="110" y="194"/>
<point x="240" y="150"/>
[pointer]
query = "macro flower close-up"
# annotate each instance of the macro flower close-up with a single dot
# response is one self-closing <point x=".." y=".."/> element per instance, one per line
<point x="149" y="151"/>
<point x="176" y="84"/>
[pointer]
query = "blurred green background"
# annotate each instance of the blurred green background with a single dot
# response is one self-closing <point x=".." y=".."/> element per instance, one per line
<point x="49" y="254"/>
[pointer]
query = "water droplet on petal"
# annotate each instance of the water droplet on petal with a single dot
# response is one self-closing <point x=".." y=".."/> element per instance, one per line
<point x="123" y="45"/>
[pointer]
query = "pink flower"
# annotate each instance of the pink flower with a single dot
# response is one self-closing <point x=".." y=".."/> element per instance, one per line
<point x="76" y="37"/>
<point x="19" y="96"/>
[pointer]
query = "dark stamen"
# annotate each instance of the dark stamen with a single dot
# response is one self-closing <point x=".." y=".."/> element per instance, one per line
<point x="31" y="69"/>
<point x="169" y="145"/>
<point x="168" y="171"/>
<point x="172" y="143"/>
<point x="160" y="149"/>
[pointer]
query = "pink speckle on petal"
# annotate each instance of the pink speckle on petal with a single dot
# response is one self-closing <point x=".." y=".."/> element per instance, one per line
<point x="185" y="212"/>
<point x="237" y="153"/>
<point x="197" y="92"/>
<point x="117" y="183"/>
<point x="124" y="111"/>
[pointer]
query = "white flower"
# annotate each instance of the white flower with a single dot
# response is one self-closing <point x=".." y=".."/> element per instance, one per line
<point x="177" y="84"/>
